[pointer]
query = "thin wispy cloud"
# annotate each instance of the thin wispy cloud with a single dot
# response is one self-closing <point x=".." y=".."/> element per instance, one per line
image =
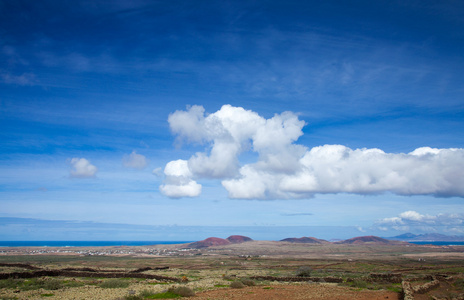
<point x="22" y="80"/>
<point x="296" y="214"/>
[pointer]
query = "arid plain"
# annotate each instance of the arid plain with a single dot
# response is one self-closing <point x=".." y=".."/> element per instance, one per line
<point x="244" y="270"/>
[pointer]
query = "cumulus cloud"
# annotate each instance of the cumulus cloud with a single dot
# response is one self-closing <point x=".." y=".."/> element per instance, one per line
<point x="178" y="182"/>
<point x="134" y="161"/>
<point x="82" y="168"/>
<point x="414" y="221"/>
<point x="285" y="169"/>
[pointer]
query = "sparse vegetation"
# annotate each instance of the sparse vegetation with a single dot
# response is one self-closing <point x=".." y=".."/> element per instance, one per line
<point x="114" y="284"/>
<point x="31" y="284"/>
<point x="353" y="265"/>
<point x="10" y="283"/>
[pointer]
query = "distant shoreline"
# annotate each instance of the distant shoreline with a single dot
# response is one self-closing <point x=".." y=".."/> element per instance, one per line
<point x="65" y="244"/>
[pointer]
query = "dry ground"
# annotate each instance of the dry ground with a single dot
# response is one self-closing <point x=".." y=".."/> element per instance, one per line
<point x="210" y="271"/>
<point x="297" y="292"/>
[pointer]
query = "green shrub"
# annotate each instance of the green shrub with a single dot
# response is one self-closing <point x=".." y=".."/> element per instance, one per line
<point x="304" y="272"/>
<point x="359" y="283"/>
<point x="237" y="285"/>
<point x="114" y="284"/>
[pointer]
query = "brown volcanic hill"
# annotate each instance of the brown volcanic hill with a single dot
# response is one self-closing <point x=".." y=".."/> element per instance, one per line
<point x="212" y="241"/>
<point x="367" y="239"/>
<point x="237" y="239"/>
<point x="304" y="240"/>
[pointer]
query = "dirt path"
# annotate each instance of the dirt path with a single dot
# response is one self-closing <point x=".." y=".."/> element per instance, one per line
<point x="307" y="291"/>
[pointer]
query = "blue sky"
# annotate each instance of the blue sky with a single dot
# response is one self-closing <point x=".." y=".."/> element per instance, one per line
<point x="119" y="120"/>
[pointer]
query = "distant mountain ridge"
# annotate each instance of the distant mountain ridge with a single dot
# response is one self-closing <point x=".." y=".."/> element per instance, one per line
<point x="305" y="240"/>
<point x="371" y="239"/>
<point x="428" y="237"/>
<point x="238" y="239"/>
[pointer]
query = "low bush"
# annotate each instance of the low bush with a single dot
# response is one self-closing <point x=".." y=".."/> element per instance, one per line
<point x="248" y="282"/>
<point x="359" y="283"/>
<point x="237" y="285"/>
<point x="304" y="272"/>
<point x="52" y="284"/>
<point x="182" y="291"/>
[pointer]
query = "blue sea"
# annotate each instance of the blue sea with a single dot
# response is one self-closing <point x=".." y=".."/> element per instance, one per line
<point x="85" y="243"/>
<point x="439" y="243"/>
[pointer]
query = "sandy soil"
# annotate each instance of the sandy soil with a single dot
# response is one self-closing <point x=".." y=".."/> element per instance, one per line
<point x="305" y="291"/>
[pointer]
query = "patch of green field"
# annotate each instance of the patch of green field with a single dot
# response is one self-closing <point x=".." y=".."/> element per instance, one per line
<point x="165" y="295"/>
<point x="31" y="284"/>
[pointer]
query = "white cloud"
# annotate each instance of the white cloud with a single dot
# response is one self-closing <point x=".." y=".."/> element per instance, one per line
<point x="179" y="181"/>
<point x="82" y="168"/>
<point x="414" y="221"/>
<point x="285" y="169"/>
<point x="134" y="161"/>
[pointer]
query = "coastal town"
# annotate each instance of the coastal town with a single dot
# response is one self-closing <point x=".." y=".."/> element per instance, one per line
<point x="95" y="251"/>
